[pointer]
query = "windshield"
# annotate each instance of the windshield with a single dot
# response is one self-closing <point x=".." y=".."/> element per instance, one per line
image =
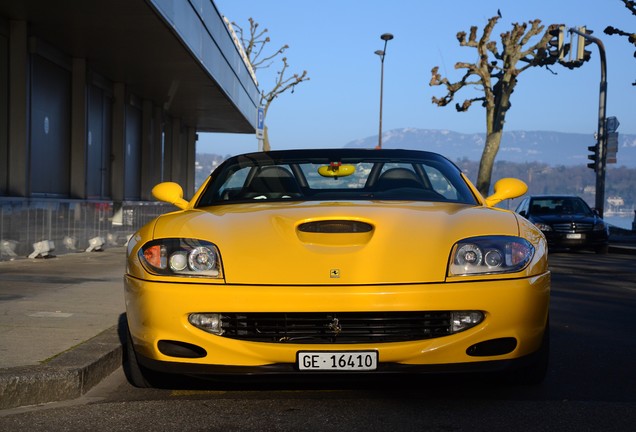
<point x="319" y="175"/>
<point x="559" y="206"/>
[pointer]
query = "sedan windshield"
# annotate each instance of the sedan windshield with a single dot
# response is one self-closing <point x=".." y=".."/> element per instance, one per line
<point x="559" y="206"/>
<point x="336" y="174"/>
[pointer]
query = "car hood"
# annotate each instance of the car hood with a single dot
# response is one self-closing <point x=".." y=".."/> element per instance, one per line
<point x="409" y="242"/>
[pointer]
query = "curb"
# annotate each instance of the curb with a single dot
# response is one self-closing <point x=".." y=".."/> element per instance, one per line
<point x="621" y="249"/>
<point x="67" y="376"/>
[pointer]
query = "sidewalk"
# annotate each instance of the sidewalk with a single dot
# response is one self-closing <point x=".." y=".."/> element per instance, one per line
<point x="59" y="325"/>
<point x="62" y="324"/>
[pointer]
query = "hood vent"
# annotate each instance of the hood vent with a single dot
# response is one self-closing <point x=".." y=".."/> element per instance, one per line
<point x="335" y="227"/>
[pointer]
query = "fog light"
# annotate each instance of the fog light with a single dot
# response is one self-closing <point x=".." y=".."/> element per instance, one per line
<point x="463" y="320"/>
<point x="209" y="322"/>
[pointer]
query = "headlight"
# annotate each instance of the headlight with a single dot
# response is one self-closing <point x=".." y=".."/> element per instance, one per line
<point x="187" y="257"/>
<point x="542" y="226"/>
<point x="489" y="255"/>
<point x="601" y="226"/>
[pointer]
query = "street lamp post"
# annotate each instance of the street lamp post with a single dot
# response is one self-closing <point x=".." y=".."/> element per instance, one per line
<point x="386" y="37"/>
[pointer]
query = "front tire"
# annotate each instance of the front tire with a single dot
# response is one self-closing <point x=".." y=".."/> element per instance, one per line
<point x="535" y="372"/>
<point x="136" y="373"/>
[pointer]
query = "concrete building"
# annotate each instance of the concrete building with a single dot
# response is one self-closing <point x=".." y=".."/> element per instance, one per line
<point x="99" y="101"/>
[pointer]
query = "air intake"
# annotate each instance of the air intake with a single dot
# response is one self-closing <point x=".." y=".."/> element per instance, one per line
<point x="336" y="227"/>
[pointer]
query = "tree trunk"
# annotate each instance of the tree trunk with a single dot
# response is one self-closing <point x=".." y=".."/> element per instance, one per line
<point x="487" y="162"/>
<point x="266" y="146"/>
<point x="495" y="120"/>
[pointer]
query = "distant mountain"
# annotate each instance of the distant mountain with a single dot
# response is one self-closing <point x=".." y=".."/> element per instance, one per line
<point x="553" y="148"/>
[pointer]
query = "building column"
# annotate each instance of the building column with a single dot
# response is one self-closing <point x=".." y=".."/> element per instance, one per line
<point x="167" y="151"/>
<point x="78" y="129"/>
<point x="147" y="161"/>
<point x="4" y="109"/>
<point x="151" y="149"/>
<point x="176" y="152"/>
<point x="158" y="143"/>
<point x="190" y="161"/>
<point x="118" y="152"/>
<point x="18" y="110"/>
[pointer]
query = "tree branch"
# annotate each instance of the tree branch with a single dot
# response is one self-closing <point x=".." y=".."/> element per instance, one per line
<point x="631" y="37"/>
<point x="495" y="73"/>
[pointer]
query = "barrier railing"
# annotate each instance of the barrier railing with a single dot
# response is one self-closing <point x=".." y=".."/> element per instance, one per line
<point x="69" y="225"/>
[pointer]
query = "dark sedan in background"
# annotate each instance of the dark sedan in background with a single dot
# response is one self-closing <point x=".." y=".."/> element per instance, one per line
<point x="566" y="221"/>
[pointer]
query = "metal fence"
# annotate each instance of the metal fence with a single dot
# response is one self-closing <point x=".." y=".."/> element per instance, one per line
<point x="37" y="227"/>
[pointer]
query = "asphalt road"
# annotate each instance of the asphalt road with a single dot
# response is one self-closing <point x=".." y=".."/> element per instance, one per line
<point x="591" y="385"/>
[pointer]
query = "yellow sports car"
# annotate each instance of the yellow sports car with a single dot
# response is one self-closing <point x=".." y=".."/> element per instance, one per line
<point x="337" y="261"/>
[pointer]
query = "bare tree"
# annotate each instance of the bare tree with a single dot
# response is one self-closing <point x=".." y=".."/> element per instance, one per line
<point x="254" y="42"/>
<point x="631" y="37"/>
<point x="495" y="75"/>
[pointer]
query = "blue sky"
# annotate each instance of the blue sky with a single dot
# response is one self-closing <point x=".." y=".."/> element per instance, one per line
<point x="335" y="41"/>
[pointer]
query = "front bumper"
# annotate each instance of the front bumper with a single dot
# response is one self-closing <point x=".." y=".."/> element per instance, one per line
<point x="158" y="312"/>
<point x="585" y="240"/>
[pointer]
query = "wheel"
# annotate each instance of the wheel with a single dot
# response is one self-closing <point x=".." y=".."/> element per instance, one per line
<point x="535" y="372"/>
<point x="137" y="375"/>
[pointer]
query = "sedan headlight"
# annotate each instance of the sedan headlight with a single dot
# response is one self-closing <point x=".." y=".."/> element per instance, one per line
<point x="186" y="257"/>
<point x="601" y="226"/>
<point x="543" y="226"/>
<point x="489" y="255"/>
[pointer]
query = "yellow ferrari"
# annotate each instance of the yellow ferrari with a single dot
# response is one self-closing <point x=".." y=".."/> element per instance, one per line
<point x="337" y="261"/>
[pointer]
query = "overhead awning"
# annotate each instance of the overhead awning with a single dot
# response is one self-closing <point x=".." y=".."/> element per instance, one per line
<point x="178" y="54"/>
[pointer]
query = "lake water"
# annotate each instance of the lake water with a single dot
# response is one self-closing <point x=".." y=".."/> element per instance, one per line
<point x="624" y="222"/>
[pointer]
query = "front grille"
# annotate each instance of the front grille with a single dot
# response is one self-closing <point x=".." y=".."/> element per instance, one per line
<point x="336" y="328"/>
<point x="572" y="227"/>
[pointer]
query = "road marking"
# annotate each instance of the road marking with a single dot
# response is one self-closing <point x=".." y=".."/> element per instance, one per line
<point x="57" y="314"/>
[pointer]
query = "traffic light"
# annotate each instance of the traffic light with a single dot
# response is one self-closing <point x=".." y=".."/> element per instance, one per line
<point x="557" y="42"/>
<point x="582" y="54"/>
<point x="593" y="157"/>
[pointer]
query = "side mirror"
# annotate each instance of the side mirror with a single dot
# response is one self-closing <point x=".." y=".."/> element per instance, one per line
<point x="522" y="213"/>
<point x="170" y="192"/>
<point x="506" y="188"/>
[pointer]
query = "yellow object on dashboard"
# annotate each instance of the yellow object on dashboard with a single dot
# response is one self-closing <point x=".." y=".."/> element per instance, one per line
<point x="336" y="169"/>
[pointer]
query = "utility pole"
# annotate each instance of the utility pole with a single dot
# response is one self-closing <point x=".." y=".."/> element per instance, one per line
<point x="601" y="151"/>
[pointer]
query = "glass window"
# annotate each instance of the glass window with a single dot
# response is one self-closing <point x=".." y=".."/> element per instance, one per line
<point x="316" y="181"/>
<point x="441" y="184"/>
<point x="330" y="174"/>
<point x="50" y="128"/>
<point x="559" y="205"/>
<point x="4" y="113"/>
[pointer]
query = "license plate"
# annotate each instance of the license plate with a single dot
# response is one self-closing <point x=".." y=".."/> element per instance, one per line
<point x="337" y="360"/>
<point x="574" y="236"/>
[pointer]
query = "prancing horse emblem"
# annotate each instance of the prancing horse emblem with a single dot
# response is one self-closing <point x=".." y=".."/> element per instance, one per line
<point x="335" y="327"/>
